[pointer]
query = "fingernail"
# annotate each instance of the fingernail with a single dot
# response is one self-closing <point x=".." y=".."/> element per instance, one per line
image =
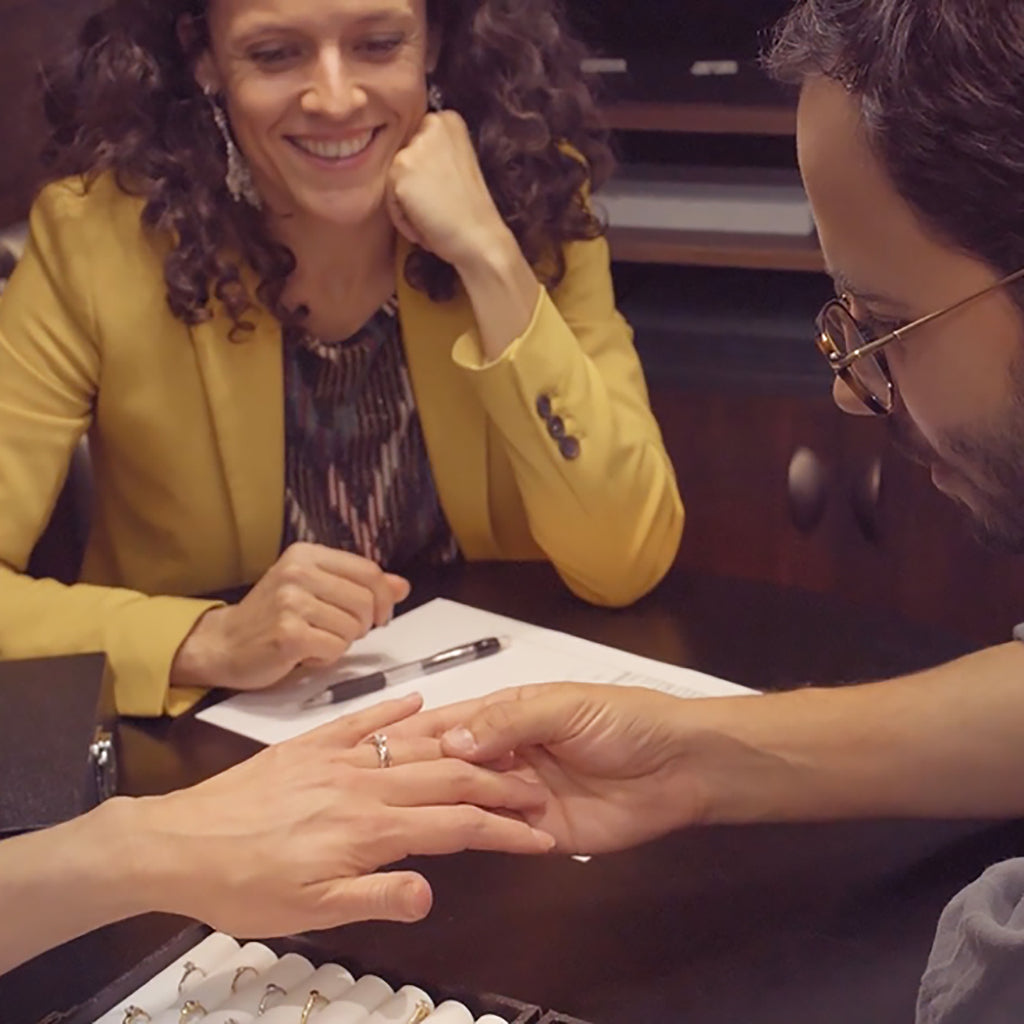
<point x="460" y="740"/>
<point x="416" y="898"/>
<point x="547" y="839"/>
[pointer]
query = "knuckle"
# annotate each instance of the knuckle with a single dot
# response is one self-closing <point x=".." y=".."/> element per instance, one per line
<point x="295" y="553"/>
<point x="347" y="635"/>
<point x="473" y="820"/>
<point x="468" y="780"/>
<point x="395" y="900"/>
<point x="455" y="119"/>
<point x="363" y="608"/>
<point x="290" y="597"/>
<point x="335" y="648"/>
<point x="499" y="716"/>
<point x="289" y="633"/>
<point x="380" y="893"/>
<point x="296" y="573"/>
<point x="347" y="626"/>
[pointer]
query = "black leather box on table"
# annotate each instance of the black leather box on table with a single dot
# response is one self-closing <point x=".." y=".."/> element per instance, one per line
<point x="58" y="755"/>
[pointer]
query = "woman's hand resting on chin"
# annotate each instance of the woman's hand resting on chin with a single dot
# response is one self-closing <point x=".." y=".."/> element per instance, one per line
<point x="438" y="199"/>
<point x="437" y="196"/>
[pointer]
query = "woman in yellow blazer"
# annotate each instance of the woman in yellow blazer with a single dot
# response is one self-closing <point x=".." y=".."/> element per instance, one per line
<point x="264" y="193"/>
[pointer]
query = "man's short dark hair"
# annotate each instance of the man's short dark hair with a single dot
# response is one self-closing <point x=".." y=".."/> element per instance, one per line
<point x="941" y="90"/>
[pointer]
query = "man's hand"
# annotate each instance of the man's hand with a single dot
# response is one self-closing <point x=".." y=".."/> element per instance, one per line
<point x="610" y="758"/>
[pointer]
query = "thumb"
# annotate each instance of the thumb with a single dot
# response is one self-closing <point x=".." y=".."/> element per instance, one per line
<point x="399" y="586"/>
<point x="490" y="734"/>
<point x="385" y="896"/>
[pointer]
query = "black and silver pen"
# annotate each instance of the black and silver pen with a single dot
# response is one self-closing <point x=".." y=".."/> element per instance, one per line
<point x="356" y="686"/>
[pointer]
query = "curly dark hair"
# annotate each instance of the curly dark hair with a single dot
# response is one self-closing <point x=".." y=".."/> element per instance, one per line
<point x="940" y="85"/>
<point x="125" y="101"/>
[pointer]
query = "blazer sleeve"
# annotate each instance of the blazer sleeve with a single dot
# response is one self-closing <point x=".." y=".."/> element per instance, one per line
<point x="569" y="401"/>
<point x="51" y="366"/>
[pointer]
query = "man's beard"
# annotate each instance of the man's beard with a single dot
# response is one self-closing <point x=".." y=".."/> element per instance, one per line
<point x="995" y="454"/>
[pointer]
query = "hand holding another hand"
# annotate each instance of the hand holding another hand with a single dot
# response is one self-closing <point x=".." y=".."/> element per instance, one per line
<point x="307" y="610"/>
<point x="612" y="759"/>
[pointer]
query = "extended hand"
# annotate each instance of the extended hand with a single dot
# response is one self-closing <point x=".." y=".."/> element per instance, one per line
<point x="437" y="196"/>
<point x="285" y="841"/>
<point x="308" y="608"/>
<point x="612" y="763"/>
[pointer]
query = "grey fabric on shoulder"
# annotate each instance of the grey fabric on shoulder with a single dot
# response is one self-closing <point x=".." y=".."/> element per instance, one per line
<point x="975" y="973"/>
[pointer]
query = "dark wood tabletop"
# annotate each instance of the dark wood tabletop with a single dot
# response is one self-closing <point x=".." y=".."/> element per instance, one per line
<point x="760" y="925"/>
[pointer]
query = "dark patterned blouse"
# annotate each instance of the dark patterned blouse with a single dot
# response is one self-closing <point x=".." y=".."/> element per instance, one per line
<point x="357" y="475"/>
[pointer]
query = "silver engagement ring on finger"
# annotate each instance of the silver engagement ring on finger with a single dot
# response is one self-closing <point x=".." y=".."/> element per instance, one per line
<point x="380" y="743"/>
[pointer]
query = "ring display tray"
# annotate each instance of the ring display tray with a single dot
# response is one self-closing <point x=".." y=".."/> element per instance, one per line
<point x="171" y="973"/>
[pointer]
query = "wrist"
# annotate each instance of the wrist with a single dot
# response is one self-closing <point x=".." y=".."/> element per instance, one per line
<point x="753" y="759"/>
<point x="809" y="755"/>
<point x="494" y="253"/>
<point x="155" y="848"/>
<point x="110" y="859"/>
<point x="197" y="662"/>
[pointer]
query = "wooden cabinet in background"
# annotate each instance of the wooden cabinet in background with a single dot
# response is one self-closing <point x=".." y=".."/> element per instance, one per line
<point x="757" y="136"/>
<point x="885" y="536"/>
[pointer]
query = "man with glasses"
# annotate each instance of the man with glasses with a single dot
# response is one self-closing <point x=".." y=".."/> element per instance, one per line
<point x="911" y="145"/>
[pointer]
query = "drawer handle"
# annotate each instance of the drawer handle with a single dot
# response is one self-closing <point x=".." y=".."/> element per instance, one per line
<point x="807" y="489"/>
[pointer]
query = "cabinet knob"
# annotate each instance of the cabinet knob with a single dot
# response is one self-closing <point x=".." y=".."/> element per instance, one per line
<point x="866" y="500"/>
<point x="807" y="489"/>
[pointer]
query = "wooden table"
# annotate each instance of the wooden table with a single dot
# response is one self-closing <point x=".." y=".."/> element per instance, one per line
<point x="759" y="925"/>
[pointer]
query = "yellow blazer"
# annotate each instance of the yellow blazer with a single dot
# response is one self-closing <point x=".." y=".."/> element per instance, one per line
<point x="187" y="441"/>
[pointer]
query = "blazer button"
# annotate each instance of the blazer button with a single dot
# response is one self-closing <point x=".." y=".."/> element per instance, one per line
<point x="569" y="447"/>
<point x="556" y="427"/>
<point x="543" y="407"/>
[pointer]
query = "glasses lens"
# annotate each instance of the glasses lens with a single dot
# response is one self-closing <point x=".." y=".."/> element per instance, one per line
<point x="868" y="371"/>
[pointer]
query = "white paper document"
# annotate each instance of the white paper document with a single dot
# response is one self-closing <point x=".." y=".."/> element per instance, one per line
<point x="533" y="655"/>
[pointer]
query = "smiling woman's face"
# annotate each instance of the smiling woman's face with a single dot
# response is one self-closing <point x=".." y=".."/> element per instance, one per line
<point x="321" y="95"/>
<point x="960" y="379"/>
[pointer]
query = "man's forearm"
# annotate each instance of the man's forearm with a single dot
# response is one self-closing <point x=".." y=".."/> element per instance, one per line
<point x="948" y="742"/>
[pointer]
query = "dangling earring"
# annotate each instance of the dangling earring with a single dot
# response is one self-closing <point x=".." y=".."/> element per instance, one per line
<point x="435" y="97"/>
<point x="239" y="177"/>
